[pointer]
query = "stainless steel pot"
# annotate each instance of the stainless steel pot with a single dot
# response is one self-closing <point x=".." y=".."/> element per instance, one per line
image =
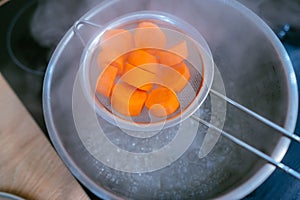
<point x="256" y="72"/>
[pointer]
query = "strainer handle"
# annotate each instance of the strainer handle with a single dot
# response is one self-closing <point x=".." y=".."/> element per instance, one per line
<point x="248" y="147"/>
<point x="258" y="117"/>
<point x="78" y="24"/>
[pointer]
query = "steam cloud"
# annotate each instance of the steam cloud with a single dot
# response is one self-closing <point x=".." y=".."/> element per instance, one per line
<point x="54" y="17"/>
<point x="276" y="12"/>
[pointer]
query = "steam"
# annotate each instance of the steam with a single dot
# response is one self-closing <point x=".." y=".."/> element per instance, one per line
<point x="53" y="18"/>
<point x="276" y="12"/>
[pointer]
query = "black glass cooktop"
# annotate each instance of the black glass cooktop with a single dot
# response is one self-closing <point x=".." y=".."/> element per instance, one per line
<point x="23" y="62"/>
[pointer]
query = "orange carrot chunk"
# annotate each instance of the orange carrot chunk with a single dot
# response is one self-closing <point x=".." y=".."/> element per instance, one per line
<point x="151" y="51"/>
<point x="149" y="35"/>
<point x="162" y="102"/>
<point x="172" y="78"/>
<point x="111" y="57"/>
<point x="127" y="67"/>
<point x="181" y="82"/>
<point x="115" y="43"/>
<point x="146" y="87"/>
<point x="127" y="100"/>
<point x="113" y="32"/>
<point x="140" y="57"/>
<point x="139" y="78"/>
<point x="168" y="58"/>
<point x="119" y="63"/>
<point x="173" y="55"/>
<point x="180" y="49"/>
<point x="119" y="40"/>
<point x="106" y="80"/>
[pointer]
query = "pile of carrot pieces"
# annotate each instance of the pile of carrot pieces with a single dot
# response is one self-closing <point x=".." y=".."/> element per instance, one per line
<point x="139" y="71"/>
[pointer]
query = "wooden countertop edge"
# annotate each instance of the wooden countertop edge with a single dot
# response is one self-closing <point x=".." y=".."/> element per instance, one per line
<point x="29" y="166"/>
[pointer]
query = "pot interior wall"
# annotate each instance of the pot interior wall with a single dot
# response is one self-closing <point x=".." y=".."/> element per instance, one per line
<point x="253" y="74"/>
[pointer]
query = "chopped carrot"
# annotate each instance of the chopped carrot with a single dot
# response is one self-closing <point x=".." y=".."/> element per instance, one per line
<point x="138" y="72"/>
<point x="119" y="40"/>
<point x="183" y="69"/>
<point x="127" y="100"/>
<point x="112" y="32"/>
<point x="175" y="77"/>
<point x="173" y="55"/>
<point x="115" y="43"/>
<point x="105" y="57"/>
<point x="140" y="78"/>
<point x="106" y="80"/>
<point x="140" y="57"/>
<point x="149" y="35"/>
<point x="110" y="57"/>
<point x="146" y="87"/>
<point x="127" y="67"/>
<point x="151" y="51"/>
<point x="150" y="67"/>
<point x="180" y="49"/>
<point x="162" y="102"/>
<point x="119" y="63"/>
<point x="168" y="58"/>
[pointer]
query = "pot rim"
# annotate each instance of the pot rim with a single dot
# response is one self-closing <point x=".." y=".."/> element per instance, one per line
<point x="237" y="193"/>
<point x="290" y="122"/>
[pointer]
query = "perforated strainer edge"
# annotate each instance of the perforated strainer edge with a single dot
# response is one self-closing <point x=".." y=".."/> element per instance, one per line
<point x="207" y="72"/>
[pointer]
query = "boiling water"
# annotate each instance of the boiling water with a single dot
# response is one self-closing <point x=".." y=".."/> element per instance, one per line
<point x="189" y="177"/>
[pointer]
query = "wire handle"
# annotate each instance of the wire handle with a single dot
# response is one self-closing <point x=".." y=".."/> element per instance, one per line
<point x="248" y="147"/>
<point x="82" y="36"/>
<point x="258" y="117"/>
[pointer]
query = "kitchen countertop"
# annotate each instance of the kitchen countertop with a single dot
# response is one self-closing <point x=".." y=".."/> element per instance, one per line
<point x="29" y="166"/>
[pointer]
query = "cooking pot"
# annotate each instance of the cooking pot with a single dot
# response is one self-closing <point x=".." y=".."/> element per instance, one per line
<point x="255" y="71"/>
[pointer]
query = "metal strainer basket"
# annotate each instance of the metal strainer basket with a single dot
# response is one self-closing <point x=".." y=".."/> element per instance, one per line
<point x="199" y="61"/>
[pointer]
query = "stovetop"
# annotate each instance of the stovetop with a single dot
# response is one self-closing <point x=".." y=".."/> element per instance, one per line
<point x="23" y="62"/>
